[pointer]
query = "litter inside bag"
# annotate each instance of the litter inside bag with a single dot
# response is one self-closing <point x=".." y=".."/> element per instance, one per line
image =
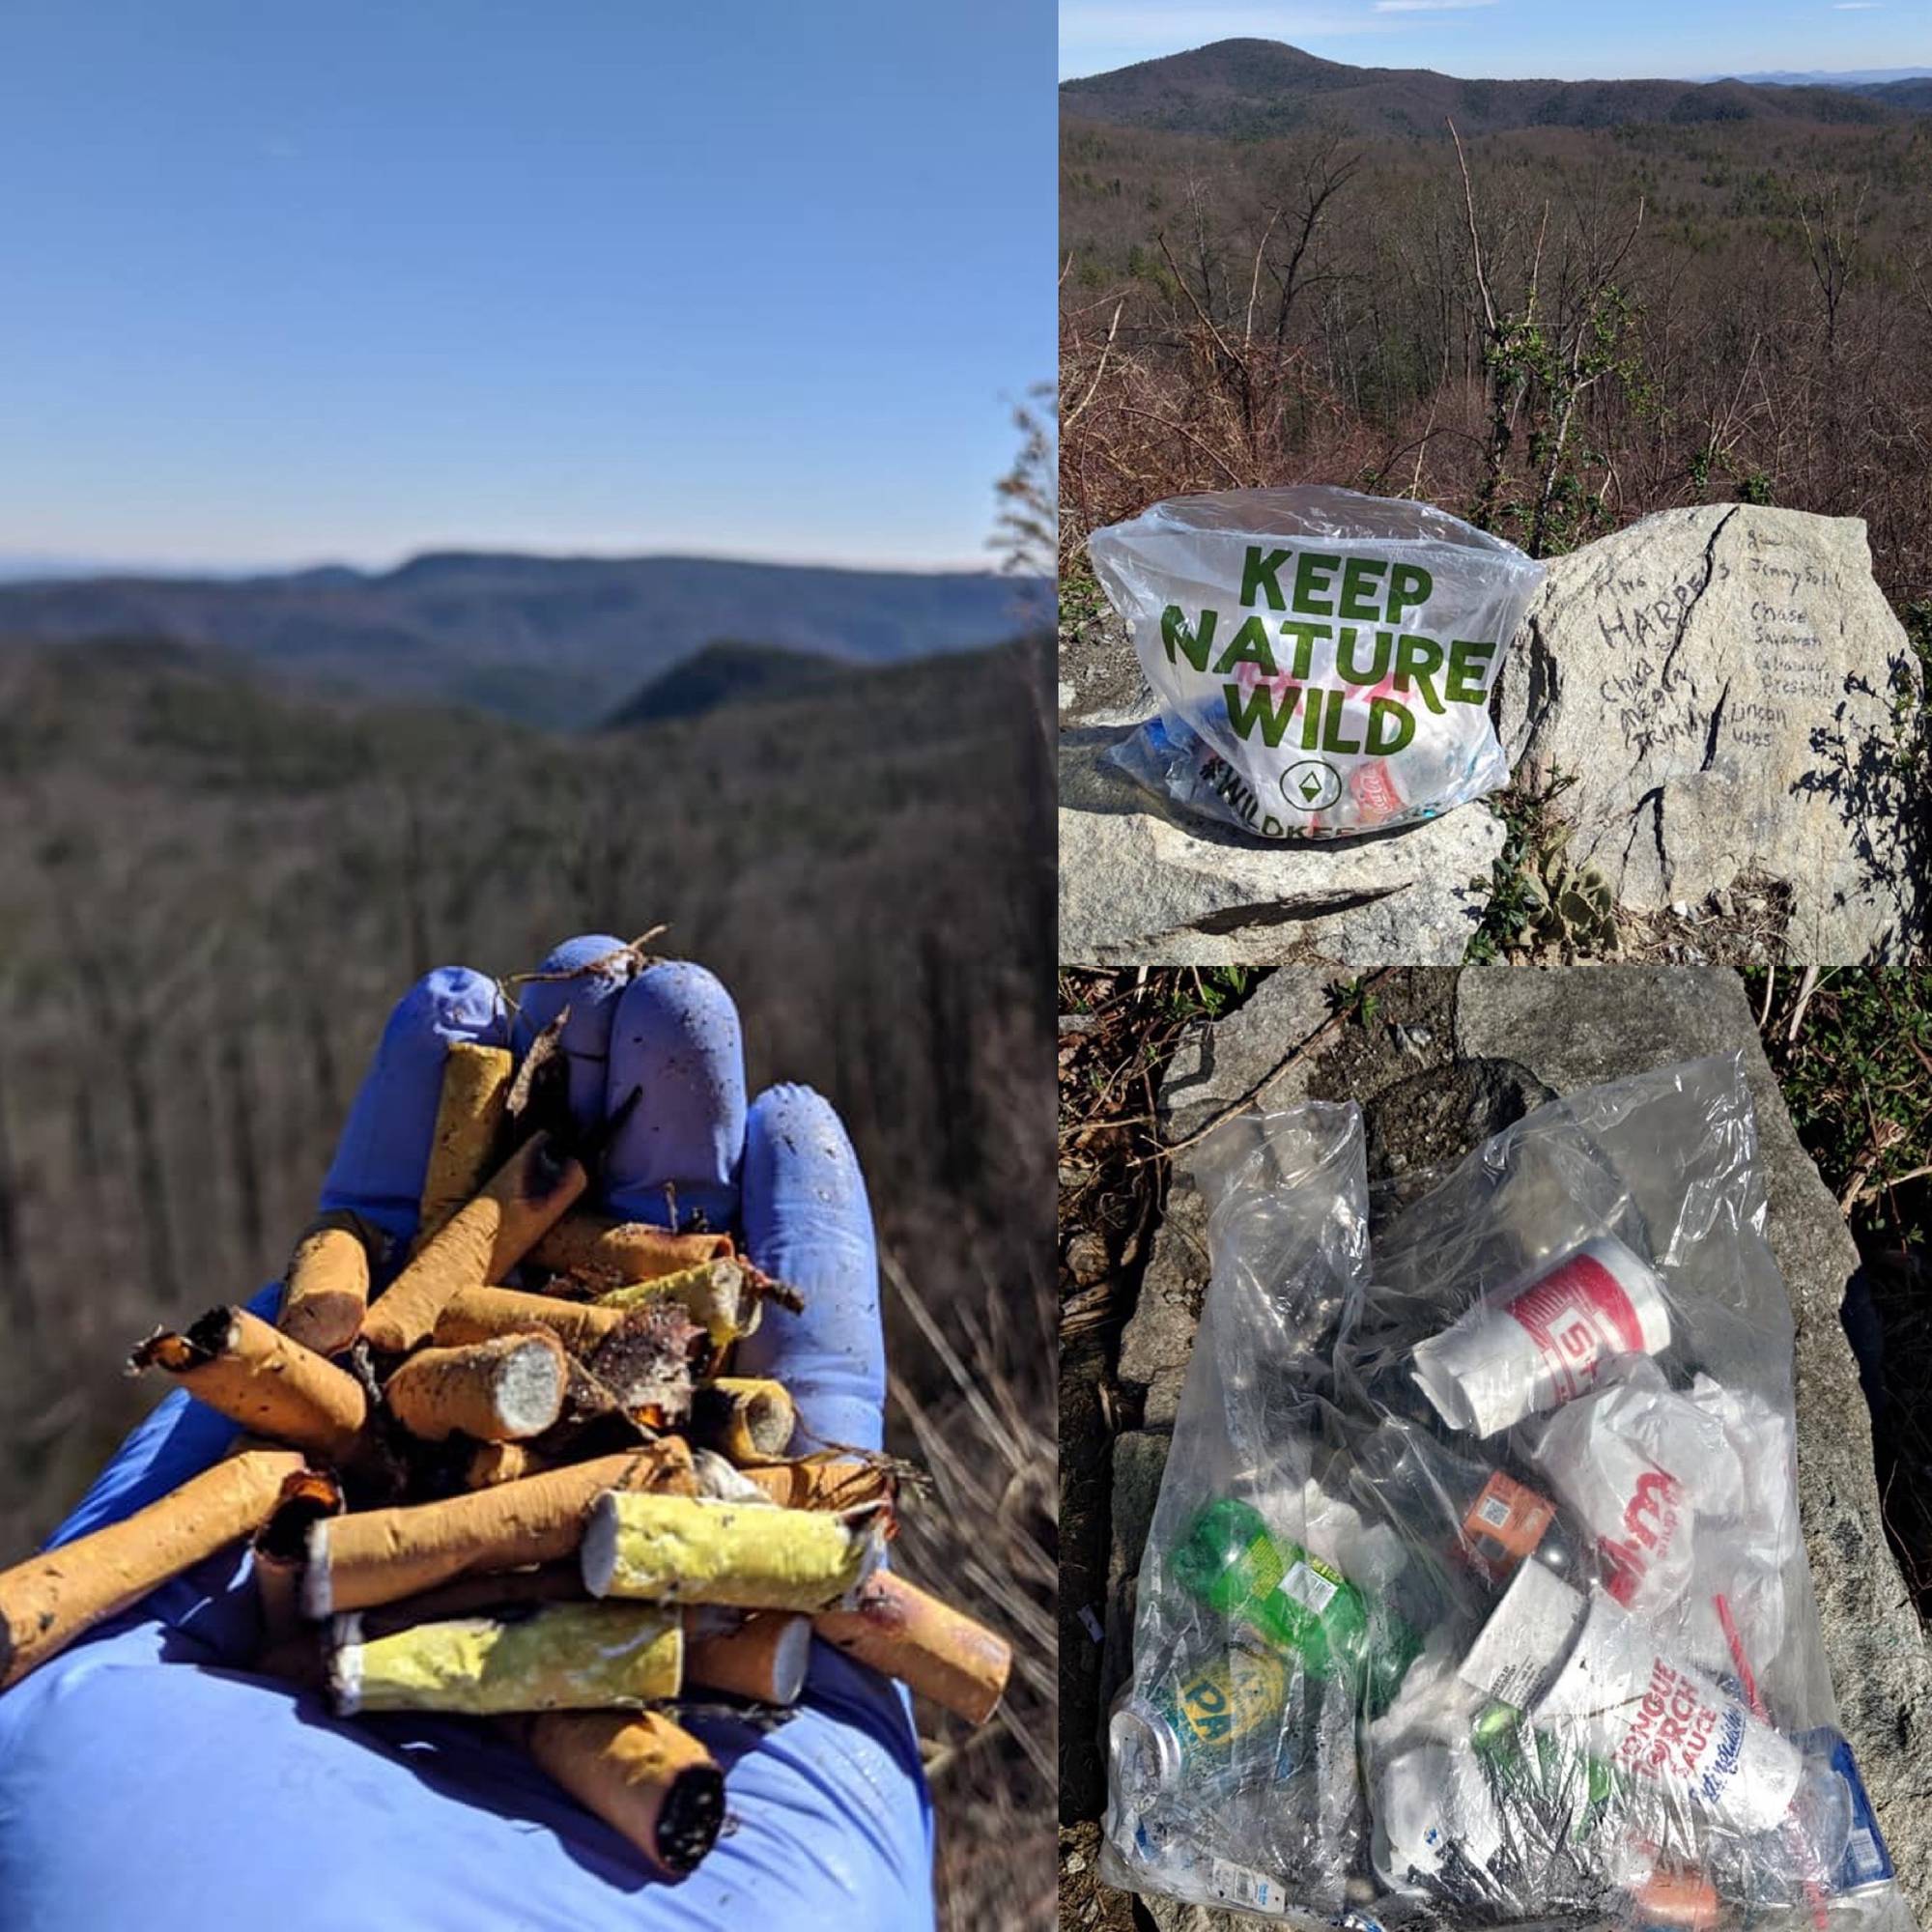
<point x="1475" y="1591"/>
<point x="1324" y="659"/>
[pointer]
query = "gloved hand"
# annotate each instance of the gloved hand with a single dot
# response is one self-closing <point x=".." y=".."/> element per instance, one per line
<point x="148" y="1780"/>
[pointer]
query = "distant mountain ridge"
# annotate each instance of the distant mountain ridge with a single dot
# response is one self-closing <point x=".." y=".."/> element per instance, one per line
<point x="548" y="640"/>
<point x="1251" y="88"/>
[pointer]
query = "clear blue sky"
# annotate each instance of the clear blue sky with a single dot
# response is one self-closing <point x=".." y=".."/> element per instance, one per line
<point x="286" y="282"/>
<point x="1503" y="40"/>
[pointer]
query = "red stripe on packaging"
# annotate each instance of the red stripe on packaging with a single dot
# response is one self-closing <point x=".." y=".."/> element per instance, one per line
<point x="1577" y="1315"/>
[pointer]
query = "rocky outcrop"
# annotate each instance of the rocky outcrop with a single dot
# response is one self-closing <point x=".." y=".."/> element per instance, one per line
<point x="1724" y="685"/>
<point x="1138" y="884"/>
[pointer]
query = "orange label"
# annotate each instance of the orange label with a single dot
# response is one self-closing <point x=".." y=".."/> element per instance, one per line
<point x="1510" y="1518"/>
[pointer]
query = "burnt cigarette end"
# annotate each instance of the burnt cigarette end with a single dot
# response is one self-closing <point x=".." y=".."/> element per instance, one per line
<point x="692" y="1816"/>
<point x="308" y="1497"/>
<point x="211" y="1334"/>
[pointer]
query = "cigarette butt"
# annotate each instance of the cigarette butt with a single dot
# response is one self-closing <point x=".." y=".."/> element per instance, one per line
<point x="497" y="1463"/>
<point x="720" y="1295"/>
<point x="502" y="1390"/>
<point x="554" y="1656"/>
<point x="491" y="1594"/>
<point x="280" y="1551"/>
<point x="648" y="1780"/>
<point x="764" y="1658"/>
<point x="821" y="1482"/>
<point x="744" y="1418"/>
<point x="266" y="1380"/>
<point x="475" y="1313"/>
<point x="684" y="1550"/>
<point x="378" y="1556"/>
<point x="469" y="1119"/>
<point x="942" y="1653"/>
<point x="602" y="1252"/>
<point x="49" y="1600"/>
<point x="486" y="1237"/>
<point x="325" y="1288"/>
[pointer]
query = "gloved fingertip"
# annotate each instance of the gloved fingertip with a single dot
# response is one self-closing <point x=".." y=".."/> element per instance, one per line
<point x="598" y="967"/>
<point x="378" y="1164"/>
<point x="678" y="1041"/>
<point x="808" y="1221"/>
<point x="799" y="1161"/>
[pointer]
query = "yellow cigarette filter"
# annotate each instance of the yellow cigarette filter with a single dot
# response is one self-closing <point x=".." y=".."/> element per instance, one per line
<point x="485" y="1238"/>
<point x="235" y="1362"/>
<point x="720" y="1295"/>
<point x="326" y="1289"/>
<point x="684" y="1550"/>
<point x="497" y="1463"/>
<point x="744" y="1419"/>
<point x="476" y="1314"/>
<point x="49" y="1600"/>
<point x="558" y="1657"/>
<point x="902" y="1632"/>
<point x="822" y="1482"/>
<point x="600" y="1252"/>
<point x="502" y="1390"/>
<point x="380" y="1556"/>
<point x="469" y="1120"/>
<point x="763" y="1659"/>
<point x="647" y="1778"/>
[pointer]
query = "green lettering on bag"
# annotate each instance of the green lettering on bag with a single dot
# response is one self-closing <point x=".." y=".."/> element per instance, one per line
<point x="1258" y="577"/>
<point x="1193" y="645"/>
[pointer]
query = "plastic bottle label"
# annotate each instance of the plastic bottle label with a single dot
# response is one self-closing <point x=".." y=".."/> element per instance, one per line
<point x="1237" y="1884"/>
<point x="1313" y="1593"/>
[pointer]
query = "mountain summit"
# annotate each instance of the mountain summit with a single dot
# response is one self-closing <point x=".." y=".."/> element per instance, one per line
<point x="1250" y="89"/>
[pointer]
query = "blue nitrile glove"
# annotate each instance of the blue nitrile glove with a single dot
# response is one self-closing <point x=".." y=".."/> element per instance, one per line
<point x="148" y="1780"/>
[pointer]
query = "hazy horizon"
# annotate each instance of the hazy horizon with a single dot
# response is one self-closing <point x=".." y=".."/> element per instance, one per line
<point x="1496" y="39"/>
<point x="33" y="567"/>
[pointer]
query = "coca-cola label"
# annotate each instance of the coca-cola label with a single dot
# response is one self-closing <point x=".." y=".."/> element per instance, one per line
<point x="1577" y="1316"/>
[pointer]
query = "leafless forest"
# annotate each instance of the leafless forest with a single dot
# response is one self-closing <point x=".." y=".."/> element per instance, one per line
<point x="1554" y="331"/>
<point x="211" y="892"/>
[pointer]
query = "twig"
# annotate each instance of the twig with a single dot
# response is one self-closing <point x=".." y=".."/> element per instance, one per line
<point x="1268" y="1080"/>
<point x="1106" y="347"/>
<point x="1806" y="986"/>
<point x="1475" y="239"/>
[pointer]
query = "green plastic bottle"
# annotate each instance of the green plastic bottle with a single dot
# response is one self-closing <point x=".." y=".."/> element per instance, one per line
<point x="1294" y="1601"/>
<point x="1539" y="1766"/>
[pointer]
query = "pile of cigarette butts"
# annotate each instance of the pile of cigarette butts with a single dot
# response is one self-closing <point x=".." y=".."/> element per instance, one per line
<point x="547" y="1504"/>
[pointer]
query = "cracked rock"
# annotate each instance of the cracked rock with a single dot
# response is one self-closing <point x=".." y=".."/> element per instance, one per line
<point x="1723" y="682"/>
<point x="1139" y="885"/>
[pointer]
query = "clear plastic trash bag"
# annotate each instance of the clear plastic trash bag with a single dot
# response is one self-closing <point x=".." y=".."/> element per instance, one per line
<point x="1475" y="1591"/>
<point x="1324" y="659"/>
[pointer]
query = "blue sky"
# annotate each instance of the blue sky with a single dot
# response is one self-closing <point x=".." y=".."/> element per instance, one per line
<point x="1501" y="40"/>
<point x="290" y="282"/>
